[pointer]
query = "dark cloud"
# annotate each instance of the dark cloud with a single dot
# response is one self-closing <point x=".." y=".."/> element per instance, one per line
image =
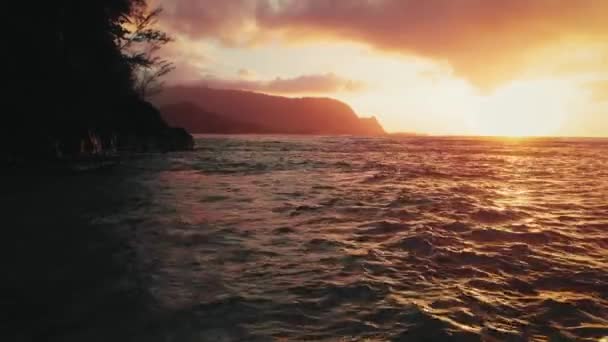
<point x="306" y="84"/>
<point x="483" y="40"/>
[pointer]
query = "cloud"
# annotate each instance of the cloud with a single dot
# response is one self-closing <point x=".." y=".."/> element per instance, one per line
<point x="306" y="84"/>
<point x="245" y="73"/>
<point x="190" y="60"/>
<point x="599" y="90"/>
<point x="486" y="42"/>
<point x="227" y="20"/>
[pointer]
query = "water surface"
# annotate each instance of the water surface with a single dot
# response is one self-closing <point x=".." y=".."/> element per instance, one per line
<point x="341" y="238"/>
<point x="434" y="238"/>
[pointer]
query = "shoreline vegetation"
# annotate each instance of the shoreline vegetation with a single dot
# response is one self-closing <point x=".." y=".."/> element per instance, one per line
<point x="79" y="78"/>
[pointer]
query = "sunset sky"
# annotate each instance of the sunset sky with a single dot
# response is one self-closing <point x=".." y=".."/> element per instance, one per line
<point x="513" y="67"/>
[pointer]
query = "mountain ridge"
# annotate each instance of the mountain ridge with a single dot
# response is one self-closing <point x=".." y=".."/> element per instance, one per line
<point x="253" y="112"/>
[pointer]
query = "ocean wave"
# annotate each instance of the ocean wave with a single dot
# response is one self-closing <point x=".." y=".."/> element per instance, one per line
<point x="343" y="238"/>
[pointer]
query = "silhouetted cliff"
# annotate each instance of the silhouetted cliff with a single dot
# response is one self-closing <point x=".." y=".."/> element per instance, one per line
<point x="72" y="82"/>
<point x="198" y="120"/>
<point x="238" y="111"/>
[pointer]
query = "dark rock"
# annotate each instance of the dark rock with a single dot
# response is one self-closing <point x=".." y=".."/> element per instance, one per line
<point x="176" y="139"/>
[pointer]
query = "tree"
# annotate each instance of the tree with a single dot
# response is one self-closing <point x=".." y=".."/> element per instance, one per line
<point x="79" y="69"/>
<point x="139" y="42"/>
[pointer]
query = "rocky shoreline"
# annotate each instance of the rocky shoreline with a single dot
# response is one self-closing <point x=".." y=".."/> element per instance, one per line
<point x="142" y="129"/>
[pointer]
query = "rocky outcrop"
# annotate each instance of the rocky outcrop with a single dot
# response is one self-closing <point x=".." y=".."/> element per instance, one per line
<point x="205" y="110"/>
<point x="146" y="130"/>
<point x="134" y="125"/>
<point x="176" y="139"/>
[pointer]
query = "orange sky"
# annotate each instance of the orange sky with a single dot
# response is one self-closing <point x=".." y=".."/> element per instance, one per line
<point x="512" y="67"/>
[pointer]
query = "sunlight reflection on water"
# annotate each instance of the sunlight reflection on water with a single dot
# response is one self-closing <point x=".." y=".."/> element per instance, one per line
<point x="401" y="239"/>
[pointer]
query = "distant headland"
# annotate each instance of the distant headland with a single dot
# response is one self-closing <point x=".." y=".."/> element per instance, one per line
<point x="200" y="109"/>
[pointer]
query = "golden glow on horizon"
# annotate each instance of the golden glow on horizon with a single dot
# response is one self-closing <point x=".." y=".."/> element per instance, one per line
<point x="448" y="106"/>
<point x="426" y="96"/>
<point x="549" y="97"/>
<point x="523" y="109"/>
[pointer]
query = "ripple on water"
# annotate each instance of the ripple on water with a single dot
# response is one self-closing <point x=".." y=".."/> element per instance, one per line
<point x="404" y="239"/>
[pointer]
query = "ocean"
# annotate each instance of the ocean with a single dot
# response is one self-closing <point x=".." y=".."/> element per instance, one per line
<point x="319" y="238"/>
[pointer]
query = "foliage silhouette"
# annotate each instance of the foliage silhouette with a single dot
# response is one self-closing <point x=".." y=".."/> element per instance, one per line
<point x="77" y="75"/>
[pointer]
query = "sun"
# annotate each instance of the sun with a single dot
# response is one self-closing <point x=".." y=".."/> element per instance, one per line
<point x="533" y="108"/>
